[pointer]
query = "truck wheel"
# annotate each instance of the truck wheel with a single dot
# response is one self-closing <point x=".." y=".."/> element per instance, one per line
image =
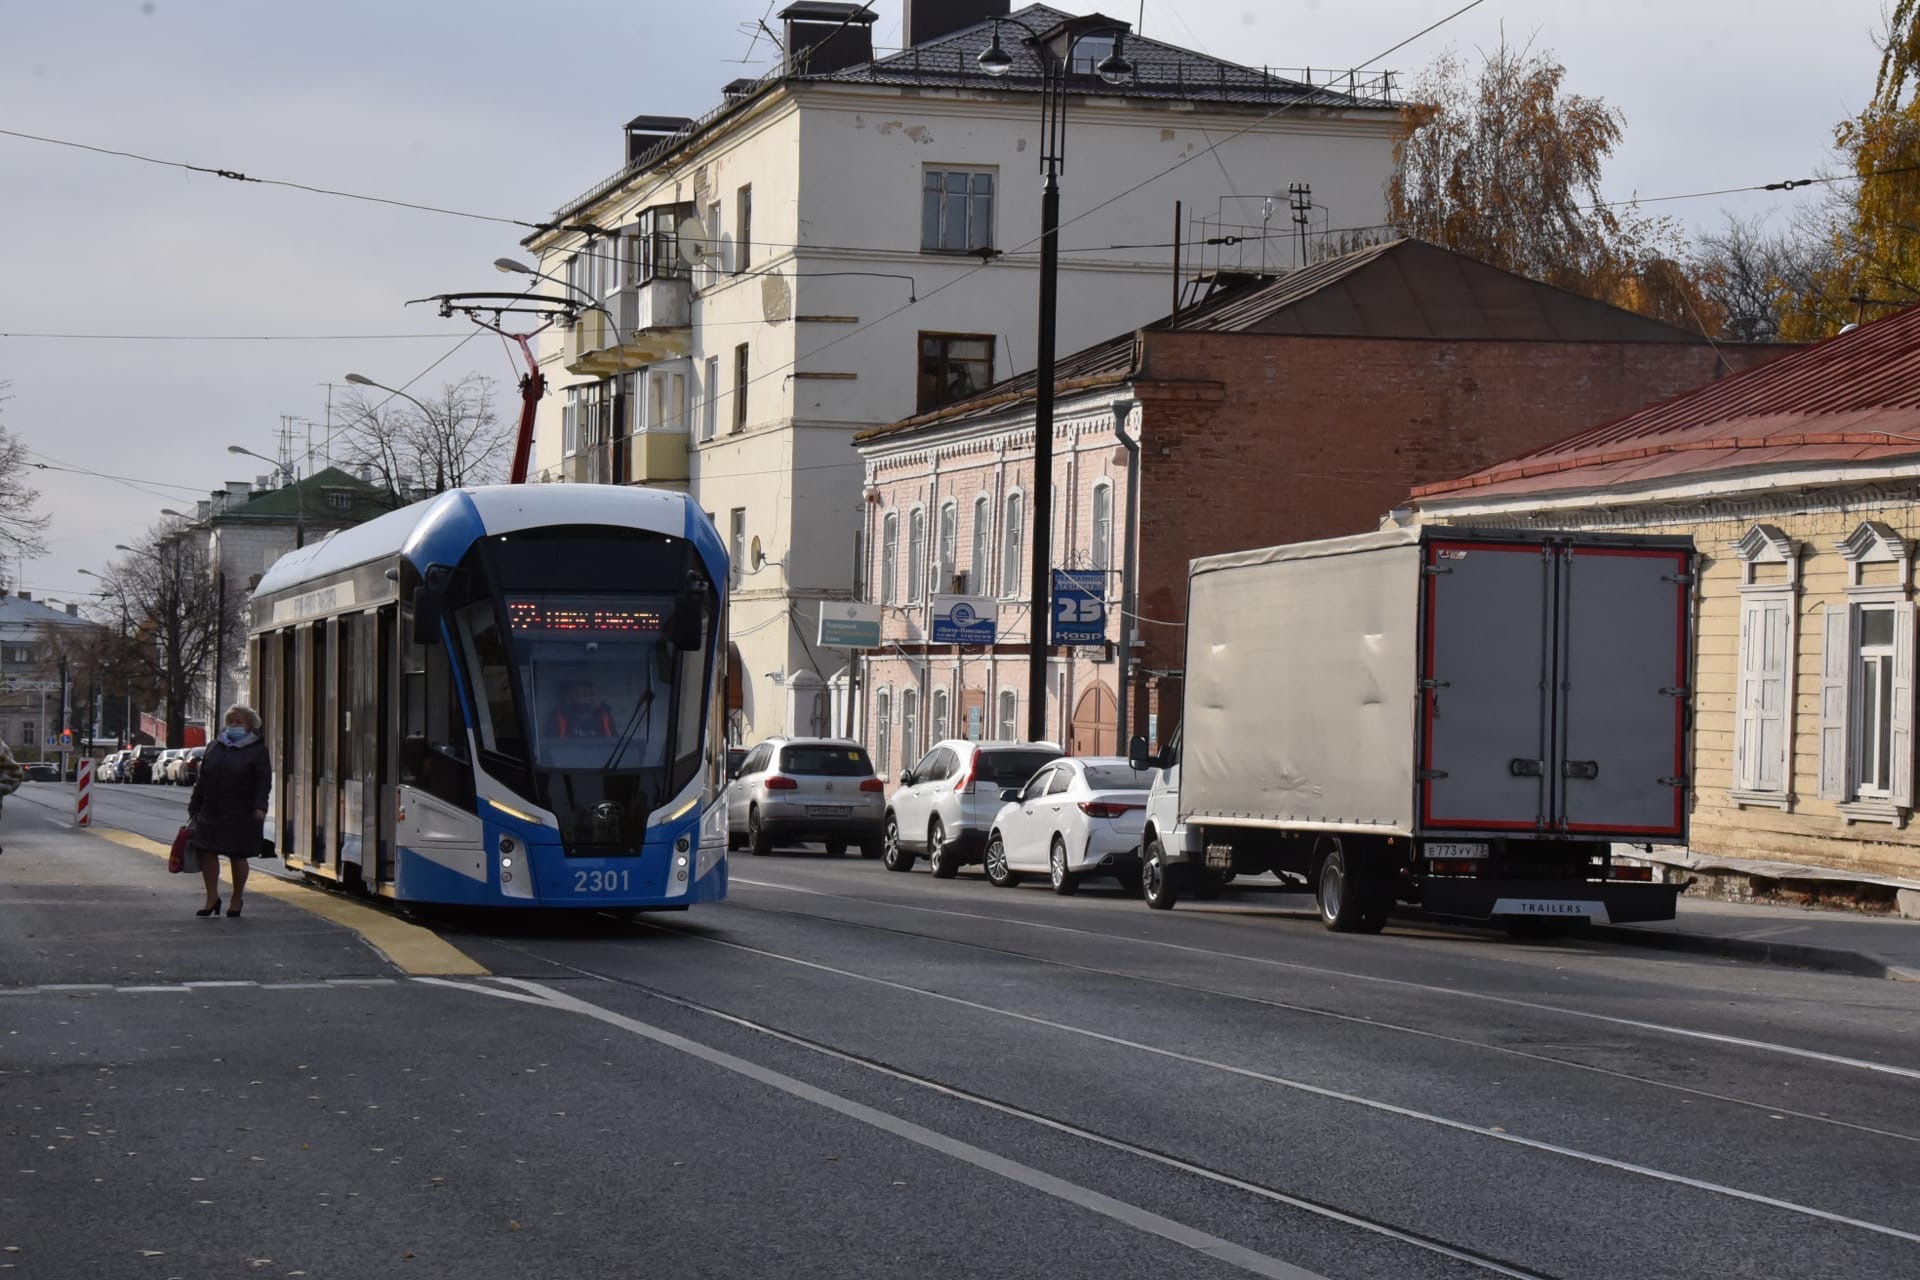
<point x="1348" y="904"/>
<point x="892" y="856"/>
<point x="1064" y="881"/>
<point x="941" y="860"/>
<point x="1157" y="878"/>
<point x="757" y="839"/>
<point x="999" y="874"/>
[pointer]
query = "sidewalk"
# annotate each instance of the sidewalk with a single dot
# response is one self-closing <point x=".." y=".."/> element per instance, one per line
<point x="1836" y="941"/>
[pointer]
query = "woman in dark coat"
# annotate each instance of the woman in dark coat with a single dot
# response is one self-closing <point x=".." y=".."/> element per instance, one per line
<point x="229" y="804"/>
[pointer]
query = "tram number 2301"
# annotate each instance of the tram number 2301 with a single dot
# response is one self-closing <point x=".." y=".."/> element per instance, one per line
<point x="600" y="881"/>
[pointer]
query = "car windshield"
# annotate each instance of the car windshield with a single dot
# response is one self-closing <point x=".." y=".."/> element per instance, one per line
<point x="827" y="762"/>
<point x="1011" y="768"/>
<point x="1117" y="777"/>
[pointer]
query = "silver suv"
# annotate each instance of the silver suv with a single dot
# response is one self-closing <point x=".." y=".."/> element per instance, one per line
<point x="946" y="804"/>
<point x="797" y="790"/>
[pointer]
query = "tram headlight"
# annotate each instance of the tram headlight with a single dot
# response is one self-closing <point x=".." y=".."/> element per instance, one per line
<point x="713" y="838"/>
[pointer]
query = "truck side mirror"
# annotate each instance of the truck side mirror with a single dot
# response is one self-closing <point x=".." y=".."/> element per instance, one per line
<point x="1137" y="758"/>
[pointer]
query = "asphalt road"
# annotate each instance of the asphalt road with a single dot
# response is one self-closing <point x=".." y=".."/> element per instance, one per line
<point x="846" y="1072"/>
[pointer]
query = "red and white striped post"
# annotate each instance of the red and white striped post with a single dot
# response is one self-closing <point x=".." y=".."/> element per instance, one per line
<point x="83" y="794"/>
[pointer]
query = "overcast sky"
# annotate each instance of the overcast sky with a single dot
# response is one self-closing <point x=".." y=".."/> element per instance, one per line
<point x="510" y="109"/>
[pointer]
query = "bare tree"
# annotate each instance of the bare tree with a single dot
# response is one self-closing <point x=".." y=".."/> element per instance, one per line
<point x="177" y="618"/>
<point x="20" y="523"/>
<point x="1760" y="278"/>
<point x="451" y="439"/>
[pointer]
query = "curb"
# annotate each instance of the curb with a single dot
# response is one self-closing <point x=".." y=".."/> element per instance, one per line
<point x="1788" y="955"/>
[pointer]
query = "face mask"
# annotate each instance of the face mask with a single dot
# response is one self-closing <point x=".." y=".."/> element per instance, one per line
<point x="233" y="735"/>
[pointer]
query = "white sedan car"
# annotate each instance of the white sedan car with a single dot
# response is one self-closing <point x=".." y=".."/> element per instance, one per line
<point x="1078" y="816"/>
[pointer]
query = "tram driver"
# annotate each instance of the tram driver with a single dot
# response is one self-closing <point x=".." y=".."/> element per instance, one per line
<point x="583" y="713"/>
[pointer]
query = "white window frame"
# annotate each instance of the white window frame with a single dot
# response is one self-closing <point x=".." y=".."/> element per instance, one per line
<point x="968" y="241"/>
<point x="1013" y="538"/>
<point x="1006" y="721"/>
<point x="939" y="715"/>
<point x="917" y="555"/>
<point x="1100" y="544"/>
<point x="710" y="401"/>
<point x="737" y="543"/>
<point x="980" y="574"/>
<point x="1842" y="721"/>
<point x="883" y="731"/>
<point x="889" y="557"/>
<point x="947" y="544"/>
<point x="910" y="722"/>
<point x="1764" y="678"/>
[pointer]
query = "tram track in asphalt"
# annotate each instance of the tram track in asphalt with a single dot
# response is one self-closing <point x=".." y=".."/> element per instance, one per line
<point x="1349" y="975"/>
<point x="1372" y="1225"/>
<point x="1355" y="1019"/>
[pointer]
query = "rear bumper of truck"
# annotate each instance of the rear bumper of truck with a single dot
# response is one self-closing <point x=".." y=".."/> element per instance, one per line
<point x="1600" y="902"/>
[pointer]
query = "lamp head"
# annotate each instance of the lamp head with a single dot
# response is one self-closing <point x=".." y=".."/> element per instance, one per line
<point x="995" y="60"/>
<point x="1114" y="68"/>
<point x="234" y="448"/>
<point x="511" y="267"/>
<point x="361" y="380"/>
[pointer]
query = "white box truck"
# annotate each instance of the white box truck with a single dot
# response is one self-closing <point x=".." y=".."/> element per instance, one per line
<point x="1460" y="719"/>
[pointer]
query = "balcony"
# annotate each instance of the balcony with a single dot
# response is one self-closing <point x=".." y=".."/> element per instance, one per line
<point x="651" y="457"/>
<point x="650" y="322"/>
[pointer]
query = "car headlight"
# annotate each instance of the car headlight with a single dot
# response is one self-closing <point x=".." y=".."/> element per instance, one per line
<point x="713" y="838"/>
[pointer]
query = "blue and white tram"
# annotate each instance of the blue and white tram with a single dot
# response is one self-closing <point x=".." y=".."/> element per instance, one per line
<point x="506" y="696"/>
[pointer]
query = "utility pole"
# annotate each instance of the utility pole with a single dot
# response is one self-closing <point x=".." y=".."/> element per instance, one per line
<point x="66" y="714"/>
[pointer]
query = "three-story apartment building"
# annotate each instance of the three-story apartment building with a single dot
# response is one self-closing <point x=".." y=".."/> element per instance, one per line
<point x="851" y="239"/>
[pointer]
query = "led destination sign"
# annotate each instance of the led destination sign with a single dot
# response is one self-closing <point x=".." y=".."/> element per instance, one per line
<point x="580" y="618"/>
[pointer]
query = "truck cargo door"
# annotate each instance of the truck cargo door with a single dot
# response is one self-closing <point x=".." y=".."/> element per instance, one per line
<point x="1485" y="681"/>
<point x="1623" y="684"/>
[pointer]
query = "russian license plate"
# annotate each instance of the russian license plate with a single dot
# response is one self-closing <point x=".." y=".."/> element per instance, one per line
<point x="1572" y="908"/>
<point x="1456" y="850"/>
<point x="828" y="810"/>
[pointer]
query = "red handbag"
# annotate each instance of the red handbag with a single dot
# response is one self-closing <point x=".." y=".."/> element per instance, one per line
<point x="177" y="856"/>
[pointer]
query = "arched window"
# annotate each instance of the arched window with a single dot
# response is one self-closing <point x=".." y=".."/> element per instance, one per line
<point x="1009" y="716"/>
<point x="1013" y="538"/>
<point x="889" y="556"/>
<point x="937" y="717"/>
<point x="980" y="572"/>
<point x="948" y="545"/>
<point x="883" y="733"/>
<point x="1103" y="526"/>
<point x="910" y="724"/>
<point x="917" y="555"/>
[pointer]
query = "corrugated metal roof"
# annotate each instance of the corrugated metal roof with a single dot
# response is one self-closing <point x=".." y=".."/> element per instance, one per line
<point x="1852" y="398"/>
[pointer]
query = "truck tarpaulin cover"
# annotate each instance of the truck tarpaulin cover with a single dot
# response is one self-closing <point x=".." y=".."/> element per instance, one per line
<point x="1301" y="684"/>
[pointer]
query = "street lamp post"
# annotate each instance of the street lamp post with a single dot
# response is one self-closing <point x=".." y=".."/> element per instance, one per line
<point x="293" y="482"/>
<point x="361" y="380"/>
<point x="1054" y="50"/>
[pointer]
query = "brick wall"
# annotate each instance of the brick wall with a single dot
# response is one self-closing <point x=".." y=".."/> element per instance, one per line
<point x="1253" y="440"/>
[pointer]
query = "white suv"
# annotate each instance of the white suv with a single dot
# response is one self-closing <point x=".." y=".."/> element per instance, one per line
<point x="946" y="804"/>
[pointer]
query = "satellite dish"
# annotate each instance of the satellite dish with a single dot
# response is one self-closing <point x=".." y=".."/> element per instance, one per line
<point x="755" y="556"/>
<point x="696" y="245"/>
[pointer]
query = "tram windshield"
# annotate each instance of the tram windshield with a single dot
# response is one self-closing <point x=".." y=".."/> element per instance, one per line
<point x="599" y="679"/>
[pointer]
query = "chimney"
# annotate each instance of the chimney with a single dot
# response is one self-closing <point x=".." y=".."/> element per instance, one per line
<point x="824" y="36"/>
<point x="926" y="20"/>
<point x="237" y="491"/>
<point x="73" y="610"/>
<point x="202" y="510"/>
<point x="25" y="595"/>
<point x="646" y="132"/>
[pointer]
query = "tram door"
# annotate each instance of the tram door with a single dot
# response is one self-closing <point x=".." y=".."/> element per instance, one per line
<point x="321" y="819"/>
<point x="378" y="764"/>
<point x="344" y="810"/>
<point x="300" y="768"/>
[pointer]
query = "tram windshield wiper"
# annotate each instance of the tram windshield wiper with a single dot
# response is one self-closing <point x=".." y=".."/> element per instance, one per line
<point x="642" y="715"/>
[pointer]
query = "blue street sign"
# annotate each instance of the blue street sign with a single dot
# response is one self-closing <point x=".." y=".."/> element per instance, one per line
<point x="964" y="620"/>
<point x="1079" y="607"/>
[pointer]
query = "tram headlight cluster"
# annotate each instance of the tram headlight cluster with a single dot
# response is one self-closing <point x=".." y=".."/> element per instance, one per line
<point x="713" y="838"/>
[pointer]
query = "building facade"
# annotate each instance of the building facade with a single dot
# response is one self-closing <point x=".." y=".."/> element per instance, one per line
<point x="1799" y="483"/>
<point x="30" y="689"/>
<point x="851" y="239"/>
<point x="1279" y="412"/>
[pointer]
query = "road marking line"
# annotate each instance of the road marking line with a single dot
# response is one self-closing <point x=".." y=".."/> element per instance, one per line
<point x="412" y="949"/>
<point x="1486" y="997"/>
<point x="1320" y="1091"/>
<point x="1130" y="1215"/>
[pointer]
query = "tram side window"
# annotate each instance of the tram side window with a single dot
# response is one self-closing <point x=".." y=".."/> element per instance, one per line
<point x="433" y="753"/>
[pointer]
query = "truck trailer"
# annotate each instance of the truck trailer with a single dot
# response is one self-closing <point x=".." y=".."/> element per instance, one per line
<point x="1463" y="720"/>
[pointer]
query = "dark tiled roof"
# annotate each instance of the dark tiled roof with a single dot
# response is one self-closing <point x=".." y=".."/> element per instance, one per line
<point x="1405" y="288"/>
<point x="1160" y="71"/>
<point x="308" y="500"/>
<point x="1854" y="398"/>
